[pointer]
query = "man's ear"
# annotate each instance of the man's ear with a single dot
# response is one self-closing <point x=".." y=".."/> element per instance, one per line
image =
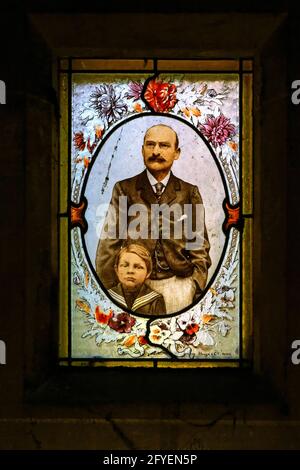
<point x="177" y="154"/>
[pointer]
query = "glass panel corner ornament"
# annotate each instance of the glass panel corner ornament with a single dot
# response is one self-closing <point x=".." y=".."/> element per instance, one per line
<point x="155" y="217"/>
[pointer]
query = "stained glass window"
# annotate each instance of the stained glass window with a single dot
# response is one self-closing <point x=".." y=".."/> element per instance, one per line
<point x="155" y="210"/>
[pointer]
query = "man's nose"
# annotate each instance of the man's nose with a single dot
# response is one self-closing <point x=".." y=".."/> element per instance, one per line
<point x="156" y="149"/>
<point x="130" y="270"/>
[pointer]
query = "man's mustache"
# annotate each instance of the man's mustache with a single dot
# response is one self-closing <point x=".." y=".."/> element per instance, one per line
<point x="154" y="158"/>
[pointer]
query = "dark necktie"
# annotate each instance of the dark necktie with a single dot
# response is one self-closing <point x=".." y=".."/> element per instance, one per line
<point x="159" y="190"/>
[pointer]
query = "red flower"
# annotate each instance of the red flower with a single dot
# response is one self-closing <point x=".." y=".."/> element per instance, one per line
<point x="191" y="329"/>
<point x="98" y="132"/>
<point x="122" y="322"/>
<point x="142" y="340"/>
<point x="138" y="107"/>
<point x="161" y="97"/>
<point x="79" y="141"/>
<point x="90" y="146"/>
<point x="86" y="161"/>
<point x="101" y="317"/>
<point x="217" y="130"/>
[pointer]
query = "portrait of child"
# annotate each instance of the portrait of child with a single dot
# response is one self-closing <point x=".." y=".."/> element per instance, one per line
<point x="133" y="266"/>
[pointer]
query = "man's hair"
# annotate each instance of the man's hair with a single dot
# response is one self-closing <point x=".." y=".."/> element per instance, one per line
<point x="138" y="250"/>
<point x="169" y="127"/>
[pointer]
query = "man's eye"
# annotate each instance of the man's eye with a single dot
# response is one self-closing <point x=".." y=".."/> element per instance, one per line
<point x="164" y="145"/>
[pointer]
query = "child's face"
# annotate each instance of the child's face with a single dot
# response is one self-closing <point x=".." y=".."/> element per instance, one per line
<point x="131" y="271"/>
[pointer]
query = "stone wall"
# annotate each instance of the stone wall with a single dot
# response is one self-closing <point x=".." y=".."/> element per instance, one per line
<point x="45" y="408"/>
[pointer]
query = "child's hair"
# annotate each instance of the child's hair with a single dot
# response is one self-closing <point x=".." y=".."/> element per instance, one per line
<point x="138" y="250"/>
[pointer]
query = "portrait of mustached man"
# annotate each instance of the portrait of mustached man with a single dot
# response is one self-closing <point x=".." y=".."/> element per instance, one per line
<point x="180" y="269"/>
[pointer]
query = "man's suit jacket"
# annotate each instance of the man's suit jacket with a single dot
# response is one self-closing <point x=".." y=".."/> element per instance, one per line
<point x="182" y="262"/>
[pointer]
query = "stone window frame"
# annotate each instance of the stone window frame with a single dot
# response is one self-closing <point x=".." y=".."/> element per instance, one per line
<point x="44" y="381"/>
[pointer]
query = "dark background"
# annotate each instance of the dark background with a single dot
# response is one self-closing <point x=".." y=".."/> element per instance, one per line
<point x="42" y="407"/>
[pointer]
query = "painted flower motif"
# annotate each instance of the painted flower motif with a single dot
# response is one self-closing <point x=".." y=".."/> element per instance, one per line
<point x="217" y="129"/>
<point x="185" y="321"/>
<point x="79" y="141"/>
<point x="187" y="100"/>
<point x="99" y="130"/>
<point x="142" y="340"/>
<point x="223" y="328"/>
<point x="138" y="107"/>
<point x="161" y="97"/>
<point x="107" y="104"/>
<point x="101" y="317"/>
<point x="211" y="93"/>
<point x="159" y="333"/>
<point x="188" y="328"/>
<point x="86" y="115"/>
<point x="228" y="295"/>
<point x="204" y="338"/>
<point x="129" y="341"/>
<point x="135" y="90"/>
<point x="227" y="298"/>
<point x="86" y="161"/>
<point x="233" y="145"/>
<point x="98" y="136"/>
<point x="191" y="329"/>
<point x="76" y="279"/>
<point x="83" y="305"/>
<point x="187" y="338"/>
<point x="122" y="322"/>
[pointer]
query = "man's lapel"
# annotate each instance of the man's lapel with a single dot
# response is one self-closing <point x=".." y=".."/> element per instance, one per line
<point x="143" y="184"/>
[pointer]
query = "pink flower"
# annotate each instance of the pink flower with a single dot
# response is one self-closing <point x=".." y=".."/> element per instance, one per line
<point x="217" y="129"/>
<point x="135" y="90"/>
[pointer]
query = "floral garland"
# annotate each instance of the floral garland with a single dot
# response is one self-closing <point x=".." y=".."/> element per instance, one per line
<point x="197" y="103"/>
<point x="189" y="334"/>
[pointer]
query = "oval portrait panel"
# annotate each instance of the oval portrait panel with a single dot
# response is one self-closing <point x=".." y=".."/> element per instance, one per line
<point x="155" y="197"/>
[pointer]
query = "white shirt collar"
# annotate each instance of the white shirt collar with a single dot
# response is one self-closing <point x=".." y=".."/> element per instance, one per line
<point x="153" y="180"/>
